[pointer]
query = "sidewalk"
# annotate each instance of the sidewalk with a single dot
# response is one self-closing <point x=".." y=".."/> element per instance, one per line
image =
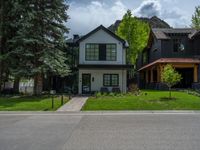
<point x="74" y="105"/>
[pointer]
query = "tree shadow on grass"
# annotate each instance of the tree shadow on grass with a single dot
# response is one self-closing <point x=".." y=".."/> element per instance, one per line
<point x="12" y="101"/>
<point x="167" y="99"/>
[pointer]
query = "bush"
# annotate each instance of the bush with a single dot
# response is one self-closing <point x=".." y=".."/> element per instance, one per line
<point x="98" y="94"/>
<point x="111" y="94"/>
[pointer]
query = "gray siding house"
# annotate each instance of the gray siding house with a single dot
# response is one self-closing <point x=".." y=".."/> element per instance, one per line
<point x="102" y="62"/>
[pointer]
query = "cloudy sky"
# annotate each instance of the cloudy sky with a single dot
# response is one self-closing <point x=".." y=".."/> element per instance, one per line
<point x="85" y="15"/>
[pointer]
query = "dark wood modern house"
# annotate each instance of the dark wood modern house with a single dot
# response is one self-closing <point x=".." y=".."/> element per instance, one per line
<point x="178" y="47"/>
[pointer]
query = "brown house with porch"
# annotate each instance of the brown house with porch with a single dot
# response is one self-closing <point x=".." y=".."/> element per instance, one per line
<point x="178" y="47"/>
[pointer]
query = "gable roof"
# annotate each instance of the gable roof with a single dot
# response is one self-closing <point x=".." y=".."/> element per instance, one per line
<point x="195" y="34"/>
<point x="101" y="27"/>
<point x="163" y="33"/>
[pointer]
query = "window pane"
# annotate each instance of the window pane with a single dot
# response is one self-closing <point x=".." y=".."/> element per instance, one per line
<point x="92" y="52"/>
<point x="106" y="80"/>
<point x="111" y="52"/>
<point x="111" y="80"/>
<point x="115" y="80"/>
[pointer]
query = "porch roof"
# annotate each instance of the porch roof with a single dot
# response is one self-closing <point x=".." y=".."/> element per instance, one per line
<point x="172" y="60"/>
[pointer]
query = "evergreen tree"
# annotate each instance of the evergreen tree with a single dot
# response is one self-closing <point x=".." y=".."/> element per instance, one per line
<point x="7" y="31"/>
<point x="196" y="18"/>
<point x="39" y="43"/>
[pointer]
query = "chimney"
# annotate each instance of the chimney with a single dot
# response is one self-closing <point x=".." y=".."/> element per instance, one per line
<point x="76" y="36"/>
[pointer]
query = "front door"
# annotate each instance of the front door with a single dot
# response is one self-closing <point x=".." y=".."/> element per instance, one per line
<point x="86" y="83"/>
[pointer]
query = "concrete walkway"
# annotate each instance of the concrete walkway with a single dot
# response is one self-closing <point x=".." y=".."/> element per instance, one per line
<point x="75" y="104"/>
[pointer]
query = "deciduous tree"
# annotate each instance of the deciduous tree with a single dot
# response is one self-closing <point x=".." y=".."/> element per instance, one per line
<point x="170" y="77"/>
<point x="136" y="33"/>
<point x="196" y="18"/>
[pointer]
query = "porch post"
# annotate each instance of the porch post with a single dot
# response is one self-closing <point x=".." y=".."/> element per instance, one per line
<point x="147" y="76"/>
<point x="161" y="70"/>
<point x="151" y="75"/>
<point x="158" y="74"/>
<point x="195" y="73"/>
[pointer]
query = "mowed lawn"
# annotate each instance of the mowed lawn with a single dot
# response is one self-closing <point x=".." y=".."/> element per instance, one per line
<point x="31" y="103"/>
<point x="152" y="100"/>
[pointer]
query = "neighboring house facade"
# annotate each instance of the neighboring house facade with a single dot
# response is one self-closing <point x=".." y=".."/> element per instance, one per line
<point x="179" y="47"/>
<point x="102" y="62"/>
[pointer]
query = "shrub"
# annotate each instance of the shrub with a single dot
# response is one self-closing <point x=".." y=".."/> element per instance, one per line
<point x="98" y="94"/>
<point x="111" y="94"/>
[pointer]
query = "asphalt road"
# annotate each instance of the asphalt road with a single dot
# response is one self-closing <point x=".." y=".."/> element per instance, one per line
<point x="97" y="131"/>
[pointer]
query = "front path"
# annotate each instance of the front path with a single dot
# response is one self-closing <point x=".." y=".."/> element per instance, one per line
<point x="75" y="104"/>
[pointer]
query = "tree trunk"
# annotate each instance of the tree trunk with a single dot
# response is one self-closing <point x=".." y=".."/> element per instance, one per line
<point x="16" y="85"/>
<point x="170" y="94"/>
<point x="38" y="84"/>
<point x="1" y="81"/>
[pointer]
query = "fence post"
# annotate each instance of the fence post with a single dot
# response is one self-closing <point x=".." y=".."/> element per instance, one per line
<point x="62" y="100"/>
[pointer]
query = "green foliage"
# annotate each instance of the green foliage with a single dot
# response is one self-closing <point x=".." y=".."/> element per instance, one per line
<point x="98" y="94"/>
<point x="136" y="33"/>
<point x="39" y="42"/>
<point x="196" y="18"/>
<point x="152" y="100"/>
<point x="170" y="77"/>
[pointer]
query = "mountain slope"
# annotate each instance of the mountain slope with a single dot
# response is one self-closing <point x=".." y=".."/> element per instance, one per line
<point x="154" y="22"/>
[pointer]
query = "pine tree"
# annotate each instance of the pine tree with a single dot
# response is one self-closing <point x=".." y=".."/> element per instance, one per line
<point x="39" y="43"/>
<point x="7" y="31"/>
<point x="196" y="18"/>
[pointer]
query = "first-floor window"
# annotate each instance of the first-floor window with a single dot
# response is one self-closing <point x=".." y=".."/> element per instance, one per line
<point x="110" y="79"/>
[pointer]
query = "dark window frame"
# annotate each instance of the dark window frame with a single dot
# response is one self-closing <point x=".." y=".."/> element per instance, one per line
<point x="110" y="80"/>
<point x="91" y="55"/>
<point x="111" y="47"/>
<point x="144" y="57"/>
<point x="109" y="56"/>
<point x="176" y="44"/>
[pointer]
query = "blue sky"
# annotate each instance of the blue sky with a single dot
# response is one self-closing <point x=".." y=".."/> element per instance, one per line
<point x="85" y="15"/>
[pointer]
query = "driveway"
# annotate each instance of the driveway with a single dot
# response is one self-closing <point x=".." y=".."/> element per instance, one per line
<point x="99" y="131"/>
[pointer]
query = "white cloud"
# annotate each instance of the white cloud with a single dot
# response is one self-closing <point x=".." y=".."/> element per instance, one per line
<point x="148" y="8"/>
<point x="85" y="18"/>
<point x="176" y="17"/>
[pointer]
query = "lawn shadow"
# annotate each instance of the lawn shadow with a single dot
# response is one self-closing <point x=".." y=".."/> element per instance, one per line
<point x="12" y="101"/>
<point x="167" y="99"/>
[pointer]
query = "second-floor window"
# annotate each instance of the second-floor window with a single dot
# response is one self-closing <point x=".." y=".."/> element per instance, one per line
<point x="102" y="52"/>
<point x="176" y="44"/>
<point x="111" y="52"/>
<point x="144" y="57"/>
<point x="92" y="52"/>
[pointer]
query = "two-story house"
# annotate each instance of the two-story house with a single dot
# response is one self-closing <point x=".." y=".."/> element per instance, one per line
<point x="102" y="61"/>
<point x="178" y="47"/>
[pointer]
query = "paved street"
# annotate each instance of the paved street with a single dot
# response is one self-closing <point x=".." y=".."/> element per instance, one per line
<point x="100" y="131"/>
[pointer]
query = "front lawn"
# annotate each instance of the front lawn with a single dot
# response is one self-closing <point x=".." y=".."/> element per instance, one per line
<point x="31" y="103"/>
<point x="152" y="100"/>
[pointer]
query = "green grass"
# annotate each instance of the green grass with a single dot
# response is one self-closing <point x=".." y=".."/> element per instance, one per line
<point x="31" y="103"/>
<point x="154" y="100"/>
